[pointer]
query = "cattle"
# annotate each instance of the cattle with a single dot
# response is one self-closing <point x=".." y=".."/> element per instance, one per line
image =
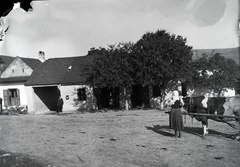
<point x="198" y="105"/>
<point x="205" y="104"/>
<point x="232" y="106"/>
<point x="227" y="106"/>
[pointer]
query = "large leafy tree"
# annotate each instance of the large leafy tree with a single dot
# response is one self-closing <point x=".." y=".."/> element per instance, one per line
<point x="112" y="67"/>
<point x="163" y="59"/>
<point x="215" y="73"/>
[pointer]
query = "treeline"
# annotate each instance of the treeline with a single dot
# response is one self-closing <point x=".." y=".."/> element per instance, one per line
<point x="162" y="59"/>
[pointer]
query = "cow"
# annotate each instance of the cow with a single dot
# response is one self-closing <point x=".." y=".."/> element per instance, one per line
<point x="205" y="104"/>
<point x="198" y="105"/>
<point x="227" y="106"/>
<point x="232" y="106"/>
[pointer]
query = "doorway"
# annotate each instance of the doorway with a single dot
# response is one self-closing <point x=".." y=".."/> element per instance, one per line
<point x="107" y="97"/>
<point x="140" y="96"/>
<point x="48" y="97"/>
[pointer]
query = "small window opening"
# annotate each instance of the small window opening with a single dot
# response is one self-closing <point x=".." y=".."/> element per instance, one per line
<point x="81" y="92"/>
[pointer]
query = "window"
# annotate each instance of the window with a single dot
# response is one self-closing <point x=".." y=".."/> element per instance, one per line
<point x="12" y="70"/>
<point x="81" y="94"/>
<point x="11" y="97"/>
<point x="156" y="91"/>
<point x="23" y="70"/>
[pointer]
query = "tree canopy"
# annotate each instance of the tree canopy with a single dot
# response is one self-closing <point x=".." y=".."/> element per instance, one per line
<point x="159" y="59"/>
<point x="215" y="73"/>
<point x="156" y="59"/>
<point x="111" y="67"/>
<point x="163" y="59"/>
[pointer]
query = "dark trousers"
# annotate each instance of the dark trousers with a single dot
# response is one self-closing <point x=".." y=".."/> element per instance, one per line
<point x="60" y="108"/>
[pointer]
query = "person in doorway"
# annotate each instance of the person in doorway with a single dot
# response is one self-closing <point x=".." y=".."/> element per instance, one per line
<point x="60" y="104"/>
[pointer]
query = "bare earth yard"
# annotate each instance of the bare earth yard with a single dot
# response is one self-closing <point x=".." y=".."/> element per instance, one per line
<point x="114" y="139"/>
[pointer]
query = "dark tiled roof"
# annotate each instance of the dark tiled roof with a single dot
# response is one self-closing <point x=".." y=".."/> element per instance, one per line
<point x="56" y="71"/>
<point x="33" y="63"/>
<point x="7" y="61"/>
<point x="14" y="79"/>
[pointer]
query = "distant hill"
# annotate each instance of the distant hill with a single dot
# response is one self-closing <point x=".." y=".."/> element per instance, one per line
<point x="231" y="53"/>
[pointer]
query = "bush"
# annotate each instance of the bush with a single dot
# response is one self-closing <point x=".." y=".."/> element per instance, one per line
<point x="15" y="110"/>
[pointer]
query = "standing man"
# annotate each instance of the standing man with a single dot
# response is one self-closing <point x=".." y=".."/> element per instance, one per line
<point x="60" y="104"/>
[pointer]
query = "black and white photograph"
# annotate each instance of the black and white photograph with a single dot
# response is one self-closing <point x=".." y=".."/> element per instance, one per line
<point x="119" y="83"/>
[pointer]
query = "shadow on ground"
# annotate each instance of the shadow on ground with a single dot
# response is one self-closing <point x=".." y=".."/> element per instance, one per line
<point x="162" y="130"/>
<point x="165" y="131"/>
<point x="14" y="159"/>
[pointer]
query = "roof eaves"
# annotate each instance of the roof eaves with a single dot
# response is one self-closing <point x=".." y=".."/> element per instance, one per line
<point x="41" y="85"/>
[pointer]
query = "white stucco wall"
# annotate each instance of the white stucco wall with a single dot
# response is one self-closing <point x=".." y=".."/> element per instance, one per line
<point x="17" y="68"/>
<point x="22" y="90"/>
<point x="202" y="92"/>
<point x="229" y="92"/>
<point x="37" y="106"/>
<point x="155" y="102"/>
<point x="30" y="99"/>
<point x="72" y="103"/>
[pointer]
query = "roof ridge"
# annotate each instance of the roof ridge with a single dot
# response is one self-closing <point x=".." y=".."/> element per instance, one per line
<point x="28" y="58"/>
<point x="66" y="57"/>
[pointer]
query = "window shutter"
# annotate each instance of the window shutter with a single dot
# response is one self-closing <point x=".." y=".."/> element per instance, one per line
<point x="18" y="97"/>
<point x="6" y="98"/>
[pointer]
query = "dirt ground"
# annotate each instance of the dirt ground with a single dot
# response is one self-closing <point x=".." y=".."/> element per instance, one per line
<point x="115" y="139"/>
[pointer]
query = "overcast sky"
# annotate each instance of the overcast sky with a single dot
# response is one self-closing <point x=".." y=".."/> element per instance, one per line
<point x="63" y="28"/>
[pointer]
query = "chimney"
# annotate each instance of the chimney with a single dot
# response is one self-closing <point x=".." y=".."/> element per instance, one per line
<point x="41" y="56"/>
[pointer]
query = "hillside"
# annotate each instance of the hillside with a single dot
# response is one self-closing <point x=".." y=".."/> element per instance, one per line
<point x="231" y="53"/>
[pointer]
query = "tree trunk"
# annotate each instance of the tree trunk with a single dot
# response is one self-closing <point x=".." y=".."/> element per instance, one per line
<point x="184" y="88"/>
<point x="126" y="99"/>
<point x="161" y="105"/>
<point x="219" y="93"/>
<point x="162" y="99"/>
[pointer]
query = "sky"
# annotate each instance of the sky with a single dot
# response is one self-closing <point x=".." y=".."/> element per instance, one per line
<point x="66" y="28"/>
